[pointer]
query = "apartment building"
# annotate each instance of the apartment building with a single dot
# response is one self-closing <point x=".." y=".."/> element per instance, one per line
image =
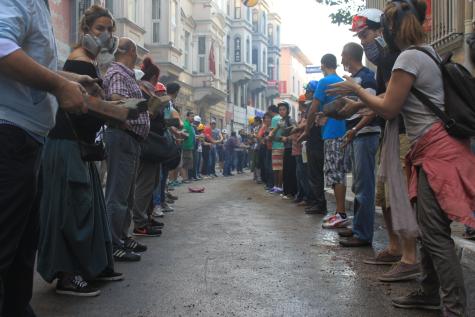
<point x="224" y="54"/>
<point x="293" y="75"/>
<point x="448" y="22"/>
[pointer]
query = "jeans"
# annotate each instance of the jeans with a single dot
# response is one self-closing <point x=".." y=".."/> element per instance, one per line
<point x="148" y="178"/>
<point x="206" y="158"/>
<point x="302" y="180"/>
<point x="20" y="157"/>
<point x="212" y="161"/>
<point x="441" y="269"/>
<point x="316" y="178"/>
<point x="123" y="158"/>
<point x="363" y="161"/>
<point x="240" y="160"/>
<point x="228" y="158"/>
<point x="289" y="174"/>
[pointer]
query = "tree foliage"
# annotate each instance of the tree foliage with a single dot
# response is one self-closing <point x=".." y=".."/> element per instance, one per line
<point x="344" y="10"/>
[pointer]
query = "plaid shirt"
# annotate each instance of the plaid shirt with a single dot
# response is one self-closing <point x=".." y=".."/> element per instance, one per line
<point x="120" y="80"/>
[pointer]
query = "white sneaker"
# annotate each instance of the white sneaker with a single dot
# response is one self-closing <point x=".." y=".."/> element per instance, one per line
<point x="328" y="216"/>
<point x="336" y="222"/>
<point x="157" y="212"/>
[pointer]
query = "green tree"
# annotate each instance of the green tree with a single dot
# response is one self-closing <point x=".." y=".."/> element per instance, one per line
<point x="343" y="9"/>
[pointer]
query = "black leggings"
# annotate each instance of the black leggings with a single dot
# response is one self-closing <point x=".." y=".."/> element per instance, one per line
<point x="290" y="176"/>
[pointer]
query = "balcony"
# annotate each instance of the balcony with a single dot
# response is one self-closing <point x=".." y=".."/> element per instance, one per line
<point x="208" y="91"/>
<point x="258" y="82"/>
<point x="168" y="58"/>
<point x="241" y="72"/>
<point x="446" y="29"/>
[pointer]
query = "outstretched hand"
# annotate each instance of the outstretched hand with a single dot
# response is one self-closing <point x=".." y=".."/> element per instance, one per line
<point x="343" y="88"/>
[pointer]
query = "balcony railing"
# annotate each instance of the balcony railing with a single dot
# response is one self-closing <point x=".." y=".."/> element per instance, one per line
<point x="446" y="15"/>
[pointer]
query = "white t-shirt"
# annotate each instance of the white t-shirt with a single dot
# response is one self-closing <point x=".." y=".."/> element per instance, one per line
<point x="418" y="118"/>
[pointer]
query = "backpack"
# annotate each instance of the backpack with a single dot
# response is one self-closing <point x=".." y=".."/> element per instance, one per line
<point x="459" y="88"/>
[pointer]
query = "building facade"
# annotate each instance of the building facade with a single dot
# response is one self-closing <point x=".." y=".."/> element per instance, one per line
<point x="293" y="75"/>
<point x="448" y="23"/>
<point x="224" y="54"/>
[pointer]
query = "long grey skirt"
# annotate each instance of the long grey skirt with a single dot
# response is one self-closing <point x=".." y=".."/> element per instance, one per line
<point x="74" y="229"/>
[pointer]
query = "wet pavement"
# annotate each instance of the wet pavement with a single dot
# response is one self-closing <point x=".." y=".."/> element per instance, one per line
<point x="238" y="251"/>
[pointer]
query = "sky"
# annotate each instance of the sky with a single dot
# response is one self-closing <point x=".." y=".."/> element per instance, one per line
<point x="308" y="25"/>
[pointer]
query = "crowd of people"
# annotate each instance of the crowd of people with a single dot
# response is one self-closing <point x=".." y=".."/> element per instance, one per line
<point x="379" y="133"/>
<point x="77" y="188"/>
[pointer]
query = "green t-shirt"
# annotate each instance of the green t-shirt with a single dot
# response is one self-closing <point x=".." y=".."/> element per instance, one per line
<point x="276" y="145"/>
<point x="189" y="143"/>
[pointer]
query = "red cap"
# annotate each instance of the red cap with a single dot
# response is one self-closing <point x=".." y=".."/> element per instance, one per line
<point x="159" y="87"/>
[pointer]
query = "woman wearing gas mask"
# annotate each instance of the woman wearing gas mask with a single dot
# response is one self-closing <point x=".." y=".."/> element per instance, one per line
<point x="440" y="168"/>
<point x="75" y="243"/>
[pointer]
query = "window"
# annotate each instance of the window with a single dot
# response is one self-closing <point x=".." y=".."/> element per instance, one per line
<point x="255" y="20"/>
<point x="202" y="45"/>
<point x="270" y="33"/>
<point x="264" y="23"/>
<point x="173" y="21"/>
<point x="187" y="50"/>
<point x="255" y="58"/>
<point x="201" y="53"/>
<point x="270" y="68"/>
<point x="228" y="47"/>
<point x="156" y="15"/>
<point x="132" y="10"/>
<point x="277" y="40"/>
<point x="248" y="50"/>
<point x="228" y="7"/>
<point x="156" y="9"/>
<point x="237" y="9"/>
<point x="248" y="14"/>
<point x="264" y="59"/>
<point x="110" y="5"/>
<point x="237" y="49"/>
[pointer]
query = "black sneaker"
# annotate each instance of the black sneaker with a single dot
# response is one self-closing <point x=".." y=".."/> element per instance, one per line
<point x="418" y="299"/>
<point x="172" y="197"/>
<point x="156" y="224"/>
<point x="133" y="245"/>
<point x="109" y="275"/>
<point x="125" y="255"/>
<point x="75" y="286"/>
<point x="147" y="231"/>
<point x="315" y="210"/>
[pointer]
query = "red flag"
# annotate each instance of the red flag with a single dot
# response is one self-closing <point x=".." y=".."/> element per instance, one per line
<point x="211" y="60"/>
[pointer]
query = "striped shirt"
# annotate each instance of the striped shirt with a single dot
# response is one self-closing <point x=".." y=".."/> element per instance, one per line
<point x="120" y="80"/>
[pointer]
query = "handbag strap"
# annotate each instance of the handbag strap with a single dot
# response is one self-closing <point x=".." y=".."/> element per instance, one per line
<point x="71" y="125"/>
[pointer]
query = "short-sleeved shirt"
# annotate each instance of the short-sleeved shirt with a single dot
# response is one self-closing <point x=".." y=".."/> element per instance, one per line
<point x="418" y="118"/>
<point x="276" y="145"/>
<point x="368" y="82"/>
<point x="189" y="143"/>
<point x="333" y="129"/>
<point x="120" y="80"/>
<point x="26" y="25"/>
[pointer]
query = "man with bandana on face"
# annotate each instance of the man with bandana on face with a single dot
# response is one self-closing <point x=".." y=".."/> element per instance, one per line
<point x="401" y="250"/>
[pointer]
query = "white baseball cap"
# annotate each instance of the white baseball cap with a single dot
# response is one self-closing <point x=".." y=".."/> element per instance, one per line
<point x="197" y="119"/>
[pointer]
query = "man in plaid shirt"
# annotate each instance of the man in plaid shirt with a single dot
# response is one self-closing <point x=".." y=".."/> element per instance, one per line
<point x="123" y="152"/>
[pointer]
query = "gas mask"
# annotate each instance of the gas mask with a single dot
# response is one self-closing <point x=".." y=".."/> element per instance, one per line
<point x="375" y="50"/>
<point x="96" y="45"/>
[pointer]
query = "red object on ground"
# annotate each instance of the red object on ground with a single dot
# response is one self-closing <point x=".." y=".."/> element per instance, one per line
<point x="196" y="190"/>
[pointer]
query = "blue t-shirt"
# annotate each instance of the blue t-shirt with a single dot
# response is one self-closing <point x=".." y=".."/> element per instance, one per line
<point x="333" y="128"/>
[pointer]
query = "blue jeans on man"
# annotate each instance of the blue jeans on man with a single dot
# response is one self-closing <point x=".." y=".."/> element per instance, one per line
<point x="363" y="160"/>
<point x="212" y="160"/>
<point x="304" y="192"/>
<point x="228" y="162"/>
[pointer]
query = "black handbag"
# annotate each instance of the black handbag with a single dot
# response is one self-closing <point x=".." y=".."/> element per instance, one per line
<point x="159" y="148"/>
<point x="94" y="152"/>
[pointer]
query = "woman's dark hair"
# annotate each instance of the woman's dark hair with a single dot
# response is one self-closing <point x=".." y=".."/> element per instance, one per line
<point x="273" y="108"/>
<point x="150" y="69"/>
<point x="93" y="13"/>
<point x="408" y="27"/>
<point x="268" y="115"/>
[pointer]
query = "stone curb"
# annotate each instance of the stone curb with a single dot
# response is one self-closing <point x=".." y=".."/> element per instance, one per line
<point x="465" y="248"/>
